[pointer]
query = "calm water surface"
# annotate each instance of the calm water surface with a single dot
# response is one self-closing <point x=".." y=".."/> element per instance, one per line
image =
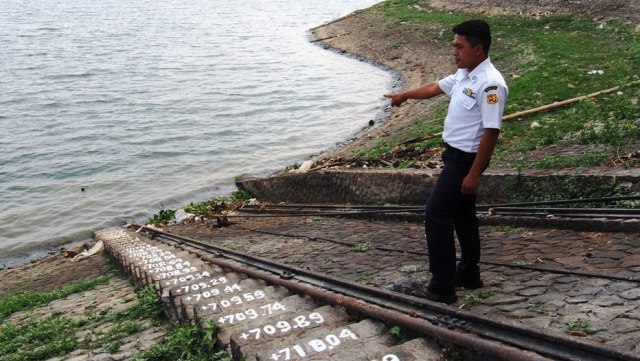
<point x="146" y="104"/>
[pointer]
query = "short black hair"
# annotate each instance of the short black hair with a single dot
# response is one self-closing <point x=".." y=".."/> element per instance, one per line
<point x="476" y="32"/>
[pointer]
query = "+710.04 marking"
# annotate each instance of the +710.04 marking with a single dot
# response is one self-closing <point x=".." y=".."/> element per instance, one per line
<point x="318" y="345"/>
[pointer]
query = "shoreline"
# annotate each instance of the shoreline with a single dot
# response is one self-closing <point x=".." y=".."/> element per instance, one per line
<point x="407" y="64"/>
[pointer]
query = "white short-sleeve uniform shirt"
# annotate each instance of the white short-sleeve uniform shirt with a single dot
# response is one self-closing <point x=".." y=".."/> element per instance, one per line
<point x="477" y="102"/>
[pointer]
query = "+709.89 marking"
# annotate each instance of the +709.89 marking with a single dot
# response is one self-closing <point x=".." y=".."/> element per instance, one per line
<point x="284" y="326"/>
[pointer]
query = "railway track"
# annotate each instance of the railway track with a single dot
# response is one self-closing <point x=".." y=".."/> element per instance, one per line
<point x="548" y="214"/>
<point x="272" y="311"/>
<point x="522" y="210"/>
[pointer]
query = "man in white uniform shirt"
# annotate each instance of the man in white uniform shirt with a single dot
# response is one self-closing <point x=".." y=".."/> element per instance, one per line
<point x="478" y="95"/>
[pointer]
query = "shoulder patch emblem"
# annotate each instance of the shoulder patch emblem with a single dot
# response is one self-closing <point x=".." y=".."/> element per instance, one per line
<point x="492" y="98"/>
<point x="490" y="88"/>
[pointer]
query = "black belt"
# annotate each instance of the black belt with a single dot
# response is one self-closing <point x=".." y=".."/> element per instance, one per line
<point x="447" y="146"/>
<point x="457" y="151"/>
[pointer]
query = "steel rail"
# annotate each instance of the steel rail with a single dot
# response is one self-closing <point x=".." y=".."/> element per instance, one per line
<point x="279" y="213"/>
<point x="621" y="211"/>
<point x="562" y="201"/>
<point x="322" y="206"/>
<point x="300" y="211"/>
<point x="568" y="215"/>
<point x="481" y="206"/>
<point x="551" y="345"/>
<point x="610" y="213"/>
<point x="617" y="213"/>
<point x="533" y="212"/>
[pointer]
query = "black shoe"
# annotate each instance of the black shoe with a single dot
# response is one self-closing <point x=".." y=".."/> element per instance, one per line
<point x="436" y="297"/>
<point x="472" y="285"/>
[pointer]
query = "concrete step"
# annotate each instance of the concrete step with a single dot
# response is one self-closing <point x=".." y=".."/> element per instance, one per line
<point x="249" y="341"/>
<point x="257" y="321"/>
<point x="324" y="342"/>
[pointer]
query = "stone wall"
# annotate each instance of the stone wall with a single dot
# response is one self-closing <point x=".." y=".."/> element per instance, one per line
<point x="344" y="186"/>
<point x="412" y="187"/>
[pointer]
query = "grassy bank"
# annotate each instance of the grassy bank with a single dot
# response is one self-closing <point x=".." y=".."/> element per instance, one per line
<point x="546" y="60"/>
<point x="99" y="330"/>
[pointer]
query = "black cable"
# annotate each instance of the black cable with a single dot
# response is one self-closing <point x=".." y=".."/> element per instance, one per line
<point x="561" y="201"/>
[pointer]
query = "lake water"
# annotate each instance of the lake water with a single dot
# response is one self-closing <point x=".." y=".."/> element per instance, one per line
<point x="149" y="104"/>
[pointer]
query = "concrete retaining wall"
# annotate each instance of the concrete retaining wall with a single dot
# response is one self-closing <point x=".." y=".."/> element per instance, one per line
<point x="344" y="186"/>
<point x="412" y="187"/>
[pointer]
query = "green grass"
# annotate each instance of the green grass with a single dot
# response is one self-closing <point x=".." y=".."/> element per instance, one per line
<point x="501" y="228"/>
<point x="525" y="189"/>
<point x="186" y="343"/>
<point x="205" y="208"/>
<point x="23" y="300"/>
<point x="398" y="334"/>
<point x="546" y="60"/>
<point x="580" y="325"/>
<point x="56" y="335"/>
<point x="422" y="125"/>
<point x="163" y="216"/>
<point x="471" y="298"/>
<point x="498" y="281"/>
<point x="38" y="339"/>
<point x="363" y="247"/>
<point x="149" y="307"/>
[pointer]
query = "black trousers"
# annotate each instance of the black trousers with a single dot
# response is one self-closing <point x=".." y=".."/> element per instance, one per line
<point x="447" y="211"/>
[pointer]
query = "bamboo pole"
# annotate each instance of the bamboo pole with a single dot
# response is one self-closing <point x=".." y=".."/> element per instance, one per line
<point x="568" y="101"/>
<point x="512" y="116"/>
<point x="540" y="108"/>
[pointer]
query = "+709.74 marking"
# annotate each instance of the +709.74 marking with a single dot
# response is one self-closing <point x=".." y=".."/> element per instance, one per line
<point x="251" y="313"/>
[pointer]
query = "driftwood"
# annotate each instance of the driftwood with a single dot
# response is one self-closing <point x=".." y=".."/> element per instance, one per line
<point x="329" y="37"/>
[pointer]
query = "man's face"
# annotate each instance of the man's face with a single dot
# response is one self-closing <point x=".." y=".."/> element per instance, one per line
<point x="465" y="55"/>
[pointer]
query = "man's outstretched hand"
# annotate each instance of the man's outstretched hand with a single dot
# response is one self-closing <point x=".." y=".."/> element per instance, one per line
<point x="396" y="99"/>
